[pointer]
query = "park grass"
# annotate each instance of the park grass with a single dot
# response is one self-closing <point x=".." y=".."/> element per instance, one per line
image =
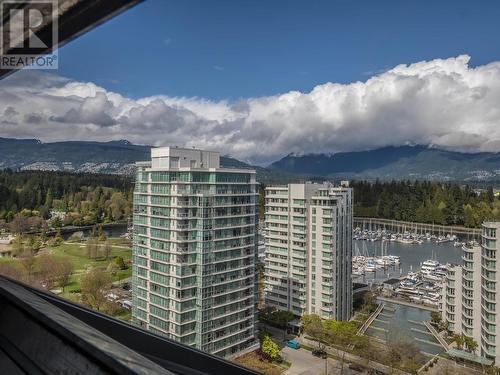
<point x="77" y="253"/>
<point x="119" y="241"/>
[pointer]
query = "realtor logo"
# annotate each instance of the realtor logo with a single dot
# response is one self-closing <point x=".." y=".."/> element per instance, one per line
<point x="28" y="34"/>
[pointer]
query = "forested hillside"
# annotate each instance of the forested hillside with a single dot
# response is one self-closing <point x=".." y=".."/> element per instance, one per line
<point x="87" y="198"/>
<point x="84" y="199"/>
<point x="427" y="202"/>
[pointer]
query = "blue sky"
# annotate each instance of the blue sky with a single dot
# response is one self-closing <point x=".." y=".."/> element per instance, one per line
<point x="240" y="48"/>
<point x="261" y="79"/>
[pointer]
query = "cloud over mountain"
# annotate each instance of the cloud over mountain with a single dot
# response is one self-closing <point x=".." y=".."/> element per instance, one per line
<point x="442" y="102"/>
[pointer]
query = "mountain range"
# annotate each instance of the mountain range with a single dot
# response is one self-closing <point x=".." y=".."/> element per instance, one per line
<point x="116" y="157"/>
<point x="403" y="162"/>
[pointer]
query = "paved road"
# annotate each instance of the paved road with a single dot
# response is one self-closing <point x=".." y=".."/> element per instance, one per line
<point x="304" y="363"/>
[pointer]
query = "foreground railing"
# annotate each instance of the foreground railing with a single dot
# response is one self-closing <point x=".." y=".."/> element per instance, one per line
<point x="41" y="333"/>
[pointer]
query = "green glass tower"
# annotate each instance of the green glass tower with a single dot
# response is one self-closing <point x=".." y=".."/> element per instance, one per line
<point x="194" y="252"/>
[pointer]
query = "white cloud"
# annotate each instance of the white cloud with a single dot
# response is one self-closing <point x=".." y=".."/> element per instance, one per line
<point x="442" y="102"/>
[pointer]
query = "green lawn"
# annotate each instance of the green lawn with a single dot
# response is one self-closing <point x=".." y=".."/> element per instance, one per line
<point x="77" y="253"/>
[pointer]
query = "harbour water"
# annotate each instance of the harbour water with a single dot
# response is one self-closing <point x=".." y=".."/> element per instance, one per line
<point x="115" y="230"/>
<point x="399" y="322"/>
<point x="411" y="256"/>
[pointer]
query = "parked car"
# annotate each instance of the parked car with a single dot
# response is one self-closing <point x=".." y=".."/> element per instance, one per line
<point x="293" y="344"/>
<point x="319" y="353"/>
<point x="376" y="372"/>
<point x="126" y="304"/>
<point x="357" y="367"/>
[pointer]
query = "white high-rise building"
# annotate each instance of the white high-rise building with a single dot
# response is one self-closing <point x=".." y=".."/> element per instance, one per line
<point x="470" y="293"/>
<point x="194" y="250"/>
<point x="308" y="259"/>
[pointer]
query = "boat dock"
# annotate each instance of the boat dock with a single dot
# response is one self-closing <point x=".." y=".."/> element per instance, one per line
<point x="395" y="226"/>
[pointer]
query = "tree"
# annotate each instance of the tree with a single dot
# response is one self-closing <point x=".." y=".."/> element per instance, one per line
<point x="365" y="349"/>
<point x="107" y="250"/>
<point x="369" y="302"/>
<point x="58" y="238"/>
<point x="120" y="263"/>
<point x="393" y="357"/>
<point x="36" y="244"/>
<point x="270" y="348"/>
<point x="27" y="259"/>
<point x="282" y="318"/>
<point x="56" y="222"/>
<point x="46" y="266"/>
<point x="470" y="343"/>
<point x="53" y="270"/>
<point x="402" y="351"/>
<point x="313" y="326"/>
<point x="339" y="332"/>
<point x="118" y="207"/>
<point x="13" y="271"/>
<point x="63" y="271"/>
<point x="436" y="318"/>
<point x="260" y="285"/>
<point x="102" y="235"/>
<point x="17" y="245"/>
<point x="92" y="248"/>
<point x="94" y="284"/>
<point x="20" y="224"/>
<point x="459" y="340"/>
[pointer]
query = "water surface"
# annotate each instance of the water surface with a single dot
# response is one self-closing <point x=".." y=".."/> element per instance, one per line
<point x="412" y="255"/>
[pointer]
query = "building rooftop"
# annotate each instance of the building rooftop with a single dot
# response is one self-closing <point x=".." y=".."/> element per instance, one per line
<point x="41" y="333"/>
<point x="491" y="224"/>
<point x="176" y="157"/>
<point x="462" y="354"/>
<point x="392" y="281"/>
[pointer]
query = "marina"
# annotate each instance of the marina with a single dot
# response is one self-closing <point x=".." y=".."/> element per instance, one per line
<point x="401" y="322"/>
<point x="375" y="224"/>
<point x="407" y="266"/>
<point x="378" y="256"/>
<point x="403" y="259"/>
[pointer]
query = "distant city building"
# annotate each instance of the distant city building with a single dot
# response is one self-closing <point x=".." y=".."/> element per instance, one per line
<point x="308" y="259"/>
<point x="470" y="293"/>
<point x="194" y="251"/>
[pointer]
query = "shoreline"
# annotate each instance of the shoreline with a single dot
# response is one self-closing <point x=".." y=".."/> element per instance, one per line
<point x="409" y="304"/>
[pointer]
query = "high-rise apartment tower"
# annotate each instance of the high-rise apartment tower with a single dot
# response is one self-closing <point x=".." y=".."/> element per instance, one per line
<point x="308" y="260"/>
<point x="194" y="250"/>
<point x="470" y="293"/>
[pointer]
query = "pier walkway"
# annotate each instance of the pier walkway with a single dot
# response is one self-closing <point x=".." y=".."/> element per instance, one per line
<point x="435" y="333"/>
<point x="369" y="321"/>
<point x="372" y="223"/>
